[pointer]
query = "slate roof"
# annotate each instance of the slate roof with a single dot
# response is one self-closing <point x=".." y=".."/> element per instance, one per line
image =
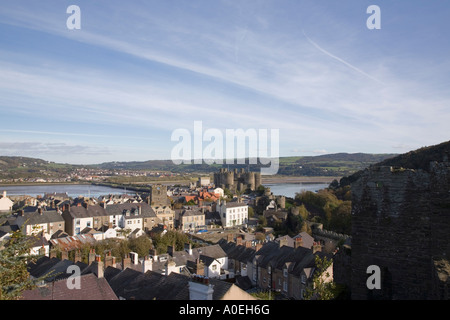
<point x="91" y="288"/>
<point x="120" y="208"/>
<point x="214" y="251"/>
<point x="32" y="218"/>
<point x="307" y="240"/>
<point x="134" y="285"/>
<point x="83" y="212"/>
<point x="191" y="212"/>
<point x="235" y="204"/>
<point x="41" y="266"/>
<point x="295" y="259"/>
<point x="237" y="252"/>
<point x="55" y="268"/>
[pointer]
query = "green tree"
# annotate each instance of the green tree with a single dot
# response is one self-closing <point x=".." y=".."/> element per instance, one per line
<point x="322" y="288"/>
<point x="251" y="212"/>
<point x="140" y="245"/>
<point x="170" y="238"/>
<point x="14" y="257"/>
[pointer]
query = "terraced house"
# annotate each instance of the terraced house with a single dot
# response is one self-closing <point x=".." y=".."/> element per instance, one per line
<point x="273" y="265"/>
<point x="41" y="220"/>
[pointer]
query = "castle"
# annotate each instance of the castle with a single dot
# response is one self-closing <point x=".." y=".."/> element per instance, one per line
<point x="237" y="180"/>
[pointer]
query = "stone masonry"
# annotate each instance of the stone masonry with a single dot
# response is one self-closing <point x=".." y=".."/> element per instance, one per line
<point x="401" y="223"/>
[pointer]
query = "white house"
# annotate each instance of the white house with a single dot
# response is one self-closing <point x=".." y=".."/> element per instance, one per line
<point x="219" y="191"/>
<point x="232" y="213"/>
<point x="214" y="259"/>
<point x="5" y="203"/>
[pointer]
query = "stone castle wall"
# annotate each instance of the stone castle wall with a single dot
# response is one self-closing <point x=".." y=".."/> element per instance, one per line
<point x="400" y="222"/>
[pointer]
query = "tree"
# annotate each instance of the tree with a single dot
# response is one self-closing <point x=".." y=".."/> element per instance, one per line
<point x="251" y="212"/>
<point x="14" y="257"/>
<point x="141" y="245"/>
<point x="170" y="238"/>
<point x="322" y="288"/>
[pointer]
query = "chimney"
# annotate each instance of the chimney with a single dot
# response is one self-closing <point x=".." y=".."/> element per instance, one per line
<point x="258" y="246"/>
<point x="109" y="260"/>
<point x="283" y="241"/>
<point x="170" y="267"/>
<point x="170" y="250"/>
<point x="248" y="244"/>
<point x="91" y="257"/>
<point x="98" y="266"/>
<point x="4" y="194"/>
<point x="77" y="256"/>
<point x="239" y="240"/>
<point x="229" y="237"/>
<point x="298" y="242"/>
<point x="40" y="211"/>
<point x="64" y="255"/>
<point x="188" y="248"/>
<point x="154" y="254"/>
<point x="66" y="207"/>
<point x="134" y="258"/>
<point x="139" y="209"/>
<point x="199" y="268"/>
<point x="316" y="247"/>
<point x="147" y="264"/>
<point x="126" y="262"/>
<point x="200" y="288"/>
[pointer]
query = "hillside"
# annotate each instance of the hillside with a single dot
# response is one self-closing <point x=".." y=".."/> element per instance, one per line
<point x="24" y="167"/>
<point x="416" y="159"/>
<point x="340" y="164"/>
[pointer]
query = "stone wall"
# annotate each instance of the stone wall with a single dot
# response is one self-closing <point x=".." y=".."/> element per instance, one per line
<point x="400" y="222"/>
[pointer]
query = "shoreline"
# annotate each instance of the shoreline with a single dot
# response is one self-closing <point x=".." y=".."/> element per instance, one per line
<point x="264" y="180"/>
<point x="302" y="179"/>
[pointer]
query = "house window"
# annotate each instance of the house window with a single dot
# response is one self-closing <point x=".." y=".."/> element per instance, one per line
<point x="285" y="272"/>
<point x="214" y="267"/>
<point x="303" y="279"/>
<point x="285" y="286"/>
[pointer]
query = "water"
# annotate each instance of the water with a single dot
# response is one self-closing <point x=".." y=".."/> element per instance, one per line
<point x="73" y="190"/>
<point x="290" y="189"/>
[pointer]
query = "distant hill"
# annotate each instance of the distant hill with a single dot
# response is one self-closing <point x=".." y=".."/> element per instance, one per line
<point x="417" y="159"/>
<point x="339" y="164"/>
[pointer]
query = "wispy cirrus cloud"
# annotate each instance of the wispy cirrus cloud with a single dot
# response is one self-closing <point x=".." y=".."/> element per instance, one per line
<point x="135" y="73"/>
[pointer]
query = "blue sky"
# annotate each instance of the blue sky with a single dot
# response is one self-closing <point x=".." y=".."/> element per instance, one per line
<point x="116" y="89"/>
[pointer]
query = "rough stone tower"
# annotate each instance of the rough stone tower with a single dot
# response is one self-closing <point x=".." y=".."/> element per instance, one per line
<point x="401" y="223"/>
<point x="158" y="195"/>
